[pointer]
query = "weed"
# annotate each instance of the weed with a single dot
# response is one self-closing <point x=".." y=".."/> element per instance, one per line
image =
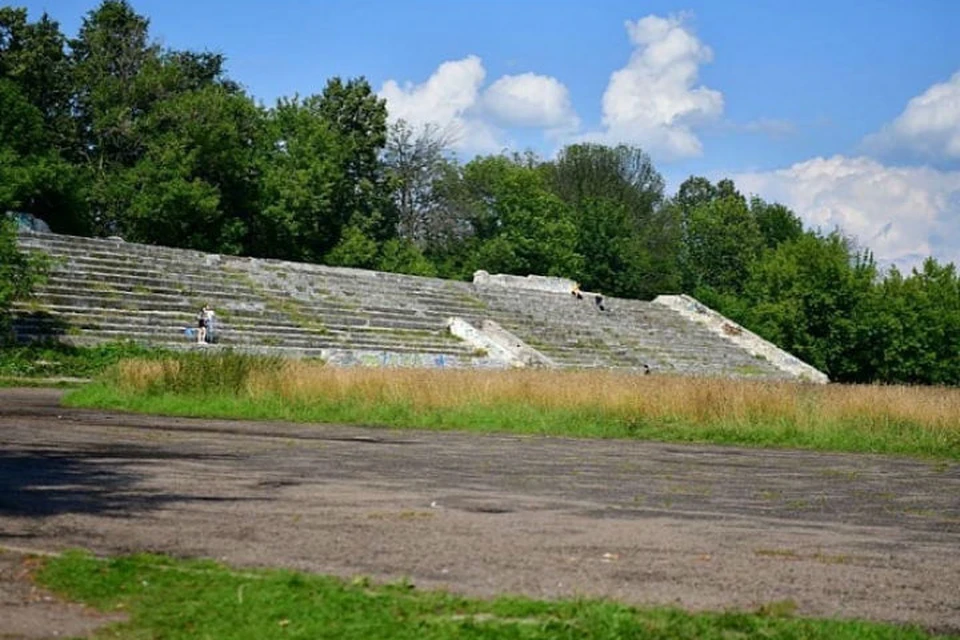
<point x="769" y="495"/>
<point x="841" y="474"/>
<point x="777" y="553"/>
<point x="778" y="609"/>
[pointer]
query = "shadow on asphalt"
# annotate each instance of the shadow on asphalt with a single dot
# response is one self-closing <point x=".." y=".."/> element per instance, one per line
<point x="43" y="483"/>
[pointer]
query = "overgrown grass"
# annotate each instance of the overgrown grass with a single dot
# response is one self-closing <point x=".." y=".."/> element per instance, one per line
<point x="173" y="599"/>
<point x="55" y="359"/>
<point x="922" y="421"/>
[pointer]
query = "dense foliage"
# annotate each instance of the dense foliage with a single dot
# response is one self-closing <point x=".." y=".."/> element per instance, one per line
<point x="109" y="133"/>
<point x="19" y="272"/>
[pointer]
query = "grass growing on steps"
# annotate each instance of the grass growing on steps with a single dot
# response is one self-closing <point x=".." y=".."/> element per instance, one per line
<point x="895" y="420"/>
<point x="172" y="599"/>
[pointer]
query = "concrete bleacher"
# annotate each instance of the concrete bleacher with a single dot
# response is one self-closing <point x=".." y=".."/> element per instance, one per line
<point x="101" y="290"/>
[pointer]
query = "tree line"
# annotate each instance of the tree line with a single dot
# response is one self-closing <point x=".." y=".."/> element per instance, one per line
<point x="108" y="133"/>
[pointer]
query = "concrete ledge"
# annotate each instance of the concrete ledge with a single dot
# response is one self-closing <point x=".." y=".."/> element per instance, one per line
<point x="536" y="283"/>
<point x="499" y="344"/>
<point x="399" y="359"/>
<point x="694" y="310"/>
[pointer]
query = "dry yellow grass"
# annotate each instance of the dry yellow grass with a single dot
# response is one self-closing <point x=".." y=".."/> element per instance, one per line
<point x="697" y="400"/>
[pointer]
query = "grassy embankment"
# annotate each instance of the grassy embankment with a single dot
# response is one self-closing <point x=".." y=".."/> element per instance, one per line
<point x="57" y="364"/>
<point x="922" y="421"/>
<point x="167" y="598"/>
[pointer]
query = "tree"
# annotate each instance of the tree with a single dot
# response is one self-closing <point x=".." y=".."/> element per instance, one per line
<point x="777" y="223"/>
<point x="911" y="329"/>
<point x="33" y="176"/>
<point x="721" y="239"/>
<point x="627" y="239"/>
<point x="359" y="118"/>
<point x="623" y="174"/>
<point x="32" y="56"/>
<point x="35" y="123"/>
<point x="808" y="296"/>
<point x="517" y="225"/>
<point x="415" y="161"/>
<point x="192" y="186"/>
<point x="301" y="171"/>
<point x="693" y="192"/>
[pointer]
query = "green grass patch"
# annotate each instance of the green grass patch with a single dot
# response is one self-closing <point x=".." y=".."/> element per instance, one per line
<point x="55" y="359"/>
<point x="848" y="436"/>
<point x="173" y="599"/>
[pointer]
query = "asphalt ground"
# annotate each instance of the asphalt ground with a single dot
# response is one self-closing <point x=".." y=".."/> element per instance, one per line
<point x="700" y="527"/>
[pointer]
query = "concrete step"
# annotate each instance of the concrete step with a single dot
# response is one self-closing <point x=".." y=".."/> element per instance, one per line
<point x="103" y="289"/>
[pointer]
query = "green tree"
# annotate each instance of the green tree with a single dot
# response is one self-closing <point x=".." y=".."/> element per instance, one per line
<point x="402" y="256"/>
<point x="777" y="223"/>
<point x="33" y="56"/>
<point x="33" y="176"/>
<point x="19" y="273"/>
<point x="911" y="330"/>
<point x="141" y="114"/>
<point x="35" y="123"/>
<point x="693" y="192"/>
<point x="192" y="187"/>
<point x="301" y="175"/>
<point x="517" y="225"/>
<point x="359" y="118"/>
<point x="721" y="239"/>
<point x="808" y="296"/>
<point x="628" y="240"/>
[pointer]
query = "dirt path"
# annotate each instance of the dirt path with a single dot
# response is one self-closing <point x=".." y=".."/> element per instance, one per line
<point x="696" y="526"/>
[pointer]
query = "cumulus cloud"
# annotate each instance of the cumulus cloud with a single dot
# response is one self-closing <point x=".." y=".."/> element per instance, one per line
<point x="903" y="214"/>
<point x="531" y="100"/>
<point x="928" y="127"/>
<point x="447" y="99"/>
<point x="452" y="98"/>
<point x="654" y="101"/>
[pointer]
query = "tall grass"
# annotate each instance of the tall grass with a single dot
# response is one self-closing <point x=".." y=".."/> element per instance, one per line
<point x="883" y="419"/>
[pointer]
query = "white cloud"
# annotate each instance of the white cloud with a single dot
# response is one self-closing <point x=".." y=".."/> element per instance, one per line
<point x="447" y="99"/>
<point x="653" y="101"/>
<point x="531" y="100"/>
<point x="452" y="99"/>
<point x="903" y="214"/>
<point x="929" y="126"/>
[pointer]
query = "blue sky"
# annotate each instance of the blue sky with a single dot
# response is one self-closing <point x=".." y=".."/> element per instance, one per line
<point x="848" y="111"/>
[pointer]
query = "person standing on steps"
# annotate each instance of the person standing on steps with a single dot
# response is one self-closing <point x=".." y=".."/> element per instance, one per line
<point x="204" y="318"/>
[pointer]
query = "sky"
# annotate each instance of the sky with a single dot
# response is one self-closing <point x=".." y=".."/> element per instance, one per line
<point x="847" y="111"/>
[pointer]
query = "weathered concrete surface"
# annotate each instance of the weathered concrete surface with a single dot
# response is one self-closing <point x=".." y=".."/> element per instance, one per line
<point x="701" y="527"/>
<point x="102" y="290"/>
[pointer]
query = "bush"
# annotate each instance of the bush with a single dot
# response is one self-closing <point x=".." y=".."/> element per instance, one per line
<point x="19" y="274"/>
<point x="54" y="359"/>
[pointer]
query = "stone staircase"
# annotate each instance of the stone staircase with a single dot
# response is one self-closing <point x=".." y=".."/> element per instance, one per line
<point x="103" y="289"/>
